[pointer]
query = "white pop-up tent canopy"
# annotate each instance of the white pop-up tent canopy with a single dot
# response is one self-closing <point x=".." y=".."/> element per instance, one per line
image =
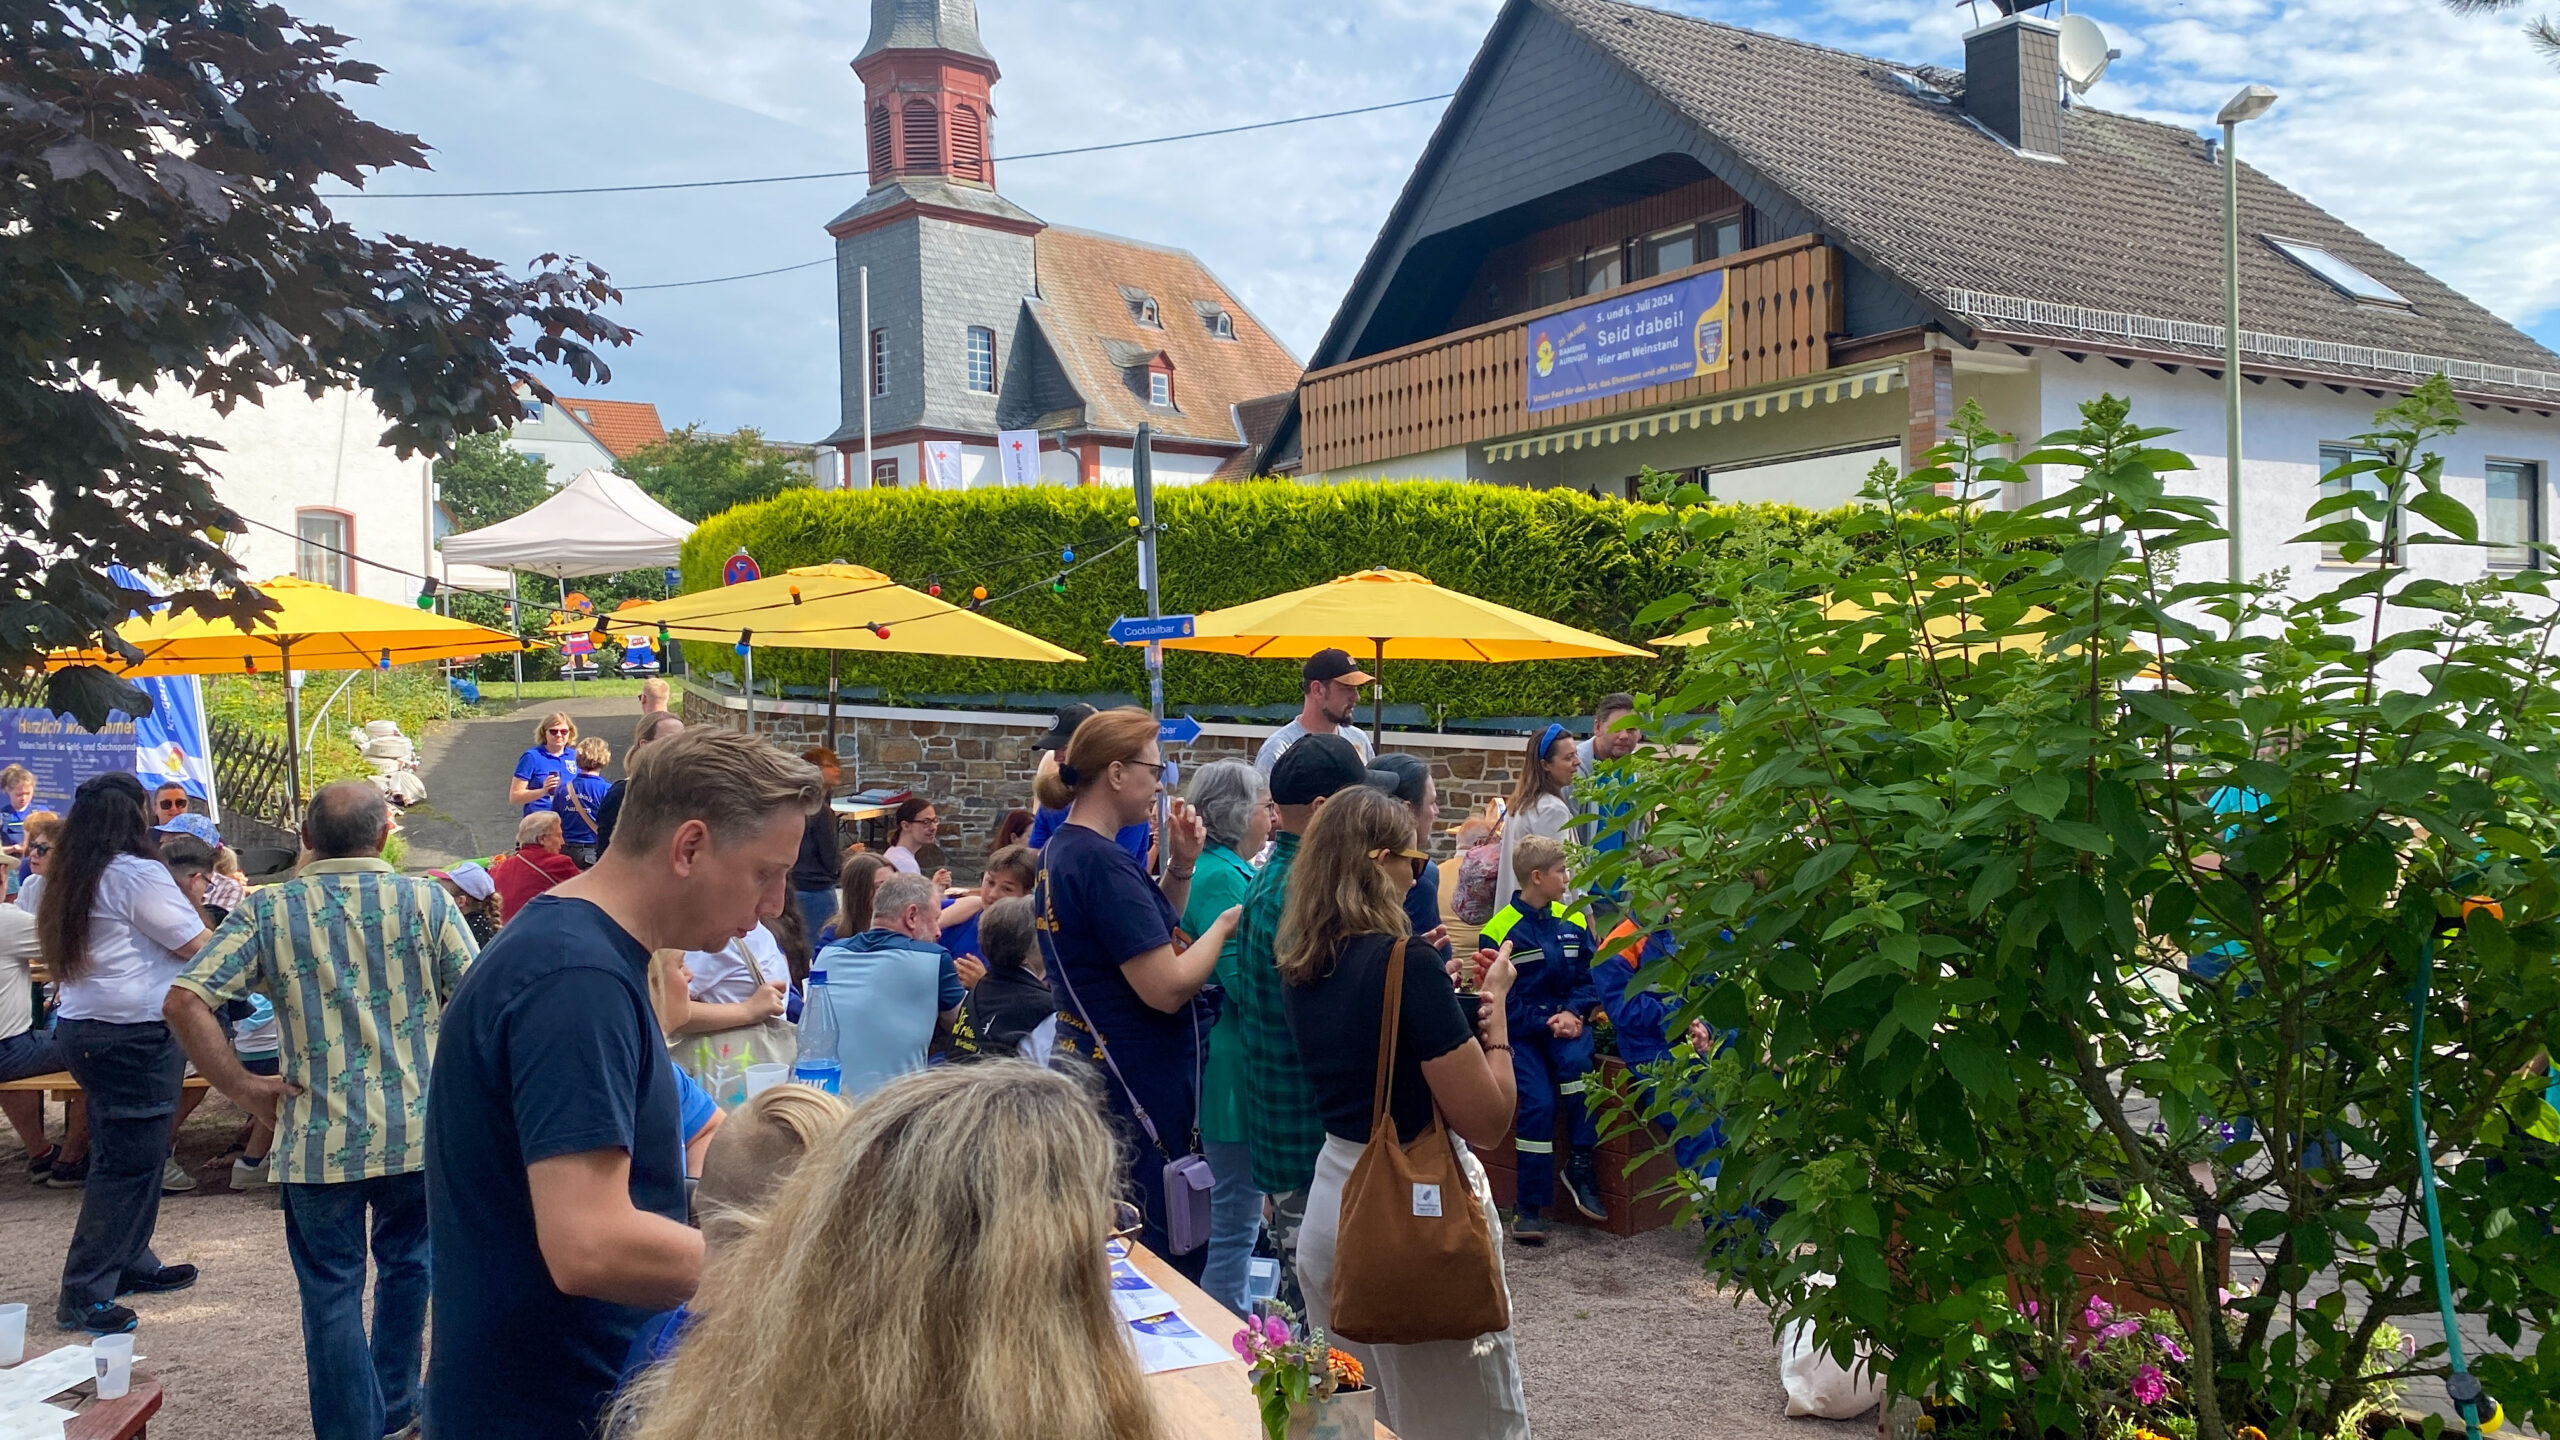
<point x="596" y="524"/>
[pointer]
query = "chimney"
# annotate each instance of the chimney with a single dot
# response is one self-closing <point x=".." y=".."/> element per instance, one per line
<point x="2013" y="81"/>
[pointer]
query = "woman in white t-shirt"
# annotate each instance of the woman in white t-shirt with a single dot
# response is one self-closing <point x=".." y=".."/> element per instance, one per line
<point x="736" y="1018"/>
<point x="116" y="929"/>
<point x="1540" y="803"/>
<point x="917" y="826"/>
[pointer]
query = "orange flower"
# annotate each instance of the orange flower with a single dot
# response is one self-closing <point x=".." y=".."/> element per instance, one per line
<point x="2248" y="1432"/>
<point x="1347" y="1372"/>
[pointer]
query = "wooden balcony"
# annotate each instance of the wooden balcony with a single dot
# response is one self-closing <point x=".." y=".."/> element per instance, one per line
<point x="1472" y="385"/>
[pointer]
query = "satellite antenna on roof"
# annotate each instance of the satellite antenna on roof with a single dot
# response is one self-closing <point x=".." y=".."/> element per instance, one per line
<point x="2085" y="53"/>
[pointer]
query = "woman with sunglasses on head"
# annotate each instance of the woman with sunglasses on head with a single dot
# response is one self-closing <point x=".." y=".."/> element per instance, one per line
<point x="549" y="766"/>
<point x="1542" y="803"/>
<point x="1129" y="997"/>
<point x="115" y="930"/>
<point x="1344" y="921"/>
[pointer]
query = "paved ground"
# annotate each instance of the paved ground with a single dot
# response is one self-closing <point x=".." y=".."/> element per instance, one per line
<point x="1620" y="1340"/>
<point x="466" y="764"/>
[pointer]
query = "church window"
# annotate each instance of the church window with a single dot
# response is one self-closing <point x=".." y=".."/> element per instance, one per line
<point x="982" y="359"/>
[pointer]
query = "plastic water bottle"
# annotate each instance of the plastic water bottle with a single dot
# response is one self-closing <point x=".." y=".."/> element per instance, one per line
<point x="817" y="1064"/>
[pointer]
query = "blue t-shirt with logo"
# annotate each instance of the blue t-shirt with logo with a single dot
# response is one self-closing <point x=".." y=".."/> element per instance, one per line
<point x="534" y="766"/>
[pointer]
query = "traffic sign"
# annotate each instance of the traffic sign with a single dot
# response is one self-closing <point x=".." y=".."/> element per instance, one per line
<point x="1180" y="730"/>
<point x="740" y="569"/>
<point x="1138" y="630"/>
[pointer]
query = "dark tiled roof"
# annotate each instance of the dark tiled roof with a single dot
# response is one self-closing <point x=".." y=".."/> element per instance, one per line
<point x="933" y="190"/>
<point x="2130" y="222"/>
<point x="924" y="25"/>
<point x="1087" y="324"/>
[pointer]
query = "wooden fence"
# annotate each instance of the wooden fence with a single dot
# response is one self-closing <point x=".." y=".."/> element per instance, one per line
<point x="249" y="772"/>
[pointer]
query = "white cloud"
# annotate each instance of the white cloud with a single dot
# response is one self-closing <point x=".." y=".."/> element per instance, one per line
<point x="2412" y="124"/>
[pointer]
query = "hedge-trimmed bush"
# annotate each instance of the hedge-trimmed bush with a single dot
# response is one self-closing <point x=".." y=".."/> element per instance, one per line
<point x="1556" y="553"/>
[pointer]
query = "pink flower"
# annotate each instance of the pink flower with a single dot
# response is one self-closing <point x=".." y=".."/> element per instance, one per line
<point x="2034" y="1310"/>
<point x="2150" y="1387"/>
<point x="2170" y="1348"/>
<point x="2096" y="1313"/>
<point x="2119" y="1330"/>
<point x="2028" y="1368"/>
<point x="1275" y="1329"/>
<point x="1243" y="1343"/>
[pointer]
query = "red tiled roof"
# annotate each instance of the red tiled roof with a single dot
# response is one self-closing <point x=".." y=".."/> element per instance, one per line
<point x="620" y="426"/>
<point x="1086" y="315"/>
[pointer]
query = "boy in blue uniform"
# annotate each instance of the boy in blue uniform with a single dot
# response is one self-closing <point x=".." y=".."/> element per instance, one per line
<point x="1549" y="1008"/>
<point x="1643" y="1009"/>
<point x="580" y="799"/>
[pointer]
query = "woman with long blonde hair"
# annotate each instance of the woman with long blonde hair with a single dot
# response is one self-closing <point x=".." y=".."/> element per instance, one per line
<point x="934" y="1272"/>
<point x="1344" y="921"/>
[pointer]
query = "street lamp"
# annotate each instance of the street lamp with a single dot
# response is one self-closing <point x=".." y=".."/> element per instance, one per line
<point x="2249" y="104"/>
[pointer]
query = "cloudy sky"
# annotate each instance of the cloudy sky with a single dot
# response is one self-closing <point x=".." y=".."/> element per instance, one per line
<point x="2418" y="126"/>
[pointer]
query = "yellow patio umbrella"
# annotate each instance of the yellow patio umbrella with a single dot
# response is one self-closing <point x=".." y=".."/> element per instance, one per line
<point x="1394" y="615"/>
<point x="1949" y="629"/>
<point x="313" y="627"/>
<point x="835" y="608"/>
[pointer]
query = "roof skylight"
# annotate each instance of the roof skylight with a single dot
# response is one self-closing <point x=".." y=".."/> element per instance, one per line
<point x="2350" y="281"/>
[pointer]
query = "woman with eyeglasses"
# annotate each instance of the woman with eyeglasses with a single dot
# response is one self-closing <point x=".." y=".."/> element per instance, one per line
<point x="546" y="769"/>
<point x="916" y="825"/>
<point x="1338" y="936"/>
<point x="115" y="930"/>
<point x="1129" y="995"/>
<point x="1542" y="803"/>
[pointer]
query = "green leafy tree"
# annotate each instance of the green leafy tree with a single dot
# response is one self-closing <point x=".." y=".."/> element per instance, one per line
<point x="2050" y="918"/>
<point x="698" y="475"/>
<point x="485" y="481"/>
<point x="165" y="226"/>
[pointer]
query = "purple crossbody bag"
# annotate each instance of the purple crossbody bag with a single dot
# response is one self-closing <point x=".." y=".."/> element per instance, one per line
<point x="1187" y="1178"/>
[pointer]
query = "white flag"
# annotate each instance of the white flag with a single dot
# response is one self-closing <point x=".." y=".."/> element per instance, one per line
<point x="942" y="465"/>
<point x="1021" y="452"/>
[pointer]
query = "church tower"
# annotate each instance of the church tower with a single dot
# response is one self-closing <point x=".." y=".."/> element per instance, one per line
<point x="950" y="261"/>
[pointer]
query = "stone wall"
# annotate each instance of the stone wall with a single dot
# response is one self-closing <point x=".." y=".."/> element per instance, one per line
<point x="975" y="765"/>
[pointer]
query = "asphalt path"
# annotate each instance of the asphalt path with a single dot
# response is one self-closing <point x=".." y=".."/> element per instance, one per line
<point x="466" y="765"/>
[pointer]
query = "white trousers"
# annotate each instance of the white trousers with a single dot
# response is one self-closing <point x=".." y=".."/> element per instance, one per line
<point x="1448" y="1389"/>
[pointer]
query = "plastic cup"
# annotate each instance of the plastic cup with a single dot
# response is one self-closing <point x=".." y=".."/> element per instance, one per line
<point x="761" y="1078"/>
<point x="13" y="1334"/>
<point x="114" y="1354"/>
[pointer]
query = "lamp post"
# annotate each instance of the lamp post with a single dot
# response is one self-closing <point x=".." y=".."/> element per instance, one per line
<point x="2249" y="104"/>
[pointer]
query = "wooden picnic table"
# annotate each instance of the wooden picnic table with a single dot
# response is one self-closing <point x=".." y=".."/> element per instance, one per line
<point x="1209" y="1402"/>
<point x="127" y="1417"/>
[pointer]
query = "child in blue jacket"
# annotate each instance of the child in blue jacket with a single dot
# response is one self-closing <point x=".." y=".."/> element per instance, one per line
<point x="1549" y="1009"/>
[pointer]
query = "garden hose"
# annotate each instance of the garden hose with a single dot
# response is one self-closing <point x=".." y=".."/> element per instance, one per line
<point x="2462" y="1387"/>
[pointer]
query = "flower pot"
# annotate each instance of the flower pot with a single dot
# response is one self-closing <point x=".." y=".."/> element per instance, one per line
<point x="1342" y="1415"/>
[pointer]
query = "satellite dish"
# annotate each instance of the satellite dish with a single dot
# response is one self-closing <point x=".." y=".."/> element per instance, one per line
<point x="2084" y="52"/>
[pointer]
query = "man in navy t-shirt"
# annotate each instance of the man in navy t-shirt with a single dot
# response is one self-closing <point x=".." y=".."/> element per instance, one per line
<point x="555" y="1159"/>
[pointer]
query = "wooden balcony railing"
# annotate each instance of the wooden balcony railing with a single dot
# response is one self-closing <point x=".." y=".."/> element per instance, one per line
<point x="1472" y="385"/>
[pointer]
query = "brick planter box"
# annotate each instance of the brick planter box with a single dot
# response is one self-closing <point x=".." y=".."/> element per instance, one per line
<point x="1636" y="1202"/>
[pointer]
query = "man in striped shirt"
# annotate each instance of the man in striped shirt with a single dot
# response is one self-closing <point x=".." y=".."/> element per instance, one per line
<point x="358" y="962"/>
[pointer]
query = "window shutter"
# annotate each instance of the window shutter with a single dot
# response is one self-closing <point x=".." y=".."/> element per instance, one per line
<point x="880" y="158"/>
<point x="968" y="143"/>
<point x="923" y="136"/>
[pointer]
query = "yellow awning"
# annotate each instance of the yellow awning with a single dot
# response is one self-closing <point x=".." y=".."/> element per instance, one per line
<point x="833" y="607"/>
<point x="1391" y="615"/>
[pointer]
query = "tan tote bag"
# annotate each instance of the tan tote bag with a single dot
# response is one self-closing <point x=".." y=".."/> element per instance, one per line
<point x="1413" y="1259"/>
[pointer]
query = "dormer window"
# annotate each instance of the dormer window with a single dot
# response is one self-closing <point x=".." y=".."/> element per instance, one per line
<point x="1159" y="388"/>
<point x="2347" y="279"/>
<point x="1142" y="307"/>
<point x="1215" y="320"/>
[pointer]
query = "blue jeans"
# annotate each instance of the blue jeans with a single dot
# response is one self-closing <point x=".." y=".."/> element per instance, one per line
<point x="360" y="1390"/>
<point x="817" y="907"/>
<point x="130" y="1076"/>
<point x="1235" y="1222"/>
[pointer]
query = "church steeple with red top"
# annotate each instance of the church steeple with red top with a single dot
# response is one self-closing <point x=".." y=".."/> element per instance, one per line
<point x="925" y="78"/>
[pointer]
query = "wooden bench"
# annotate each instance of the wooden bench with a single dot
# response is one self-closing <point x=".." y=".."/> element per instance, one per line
<point x="60" y="1086"/>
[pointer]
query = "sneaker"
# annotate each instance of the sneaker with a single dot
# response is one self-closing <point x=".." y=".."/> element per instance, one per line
<point x="104" y="1318"/>
<point x="409" y="1431"/>
<point x="1582" y="1184"/>
<point x="1530" y="1229"/>
<point x="247" y="1174"/>
<point x="41" y="1166"/>
<point x="68" y="1174"/>
<point x="156" y="1282"/>
<point x="174" y="1179"/>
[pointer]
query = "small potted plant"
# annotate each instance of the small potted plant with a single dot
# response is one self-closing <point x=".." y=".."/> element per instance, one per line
<point x="1308" y="1390"/>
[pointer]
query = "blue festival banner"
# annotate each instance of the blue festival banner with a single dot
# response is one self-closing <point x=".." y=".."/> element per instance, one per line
<point x="60" y="753"/>
<point x="1627" y="342"/>
<point x="171" y="743"/>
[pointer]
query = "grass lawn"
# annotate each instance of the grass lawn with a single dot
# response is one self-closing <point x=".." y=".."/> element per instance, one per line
<point x="497" y="696"/>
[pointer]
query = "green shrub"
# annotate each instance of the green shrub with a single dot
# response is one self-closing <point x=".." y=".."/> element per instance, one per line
<point x="1554" y="553"/>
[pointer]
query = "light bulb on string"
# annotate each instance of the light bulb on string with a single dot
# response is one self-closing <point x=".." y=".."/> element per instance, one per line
<point x="1067" y="555"/>
<point x="979" y="594"/>
<point x="933" y="588"/>
<point x="1058" y="586"/>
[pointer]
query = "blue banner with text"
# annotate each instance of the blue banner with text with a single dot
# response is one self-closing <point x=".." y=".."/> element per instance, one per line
<point x="1628" y="342"/>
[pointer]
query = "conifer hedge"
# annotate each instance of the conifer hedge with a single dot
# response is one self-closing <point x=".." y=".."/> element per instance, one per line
<point x="1555" y="553"/>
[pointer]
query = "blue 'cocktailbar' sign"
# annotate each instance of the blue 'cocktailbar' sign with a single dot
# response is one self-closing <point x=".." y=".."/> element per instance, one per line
<point x="1627" y="342"/>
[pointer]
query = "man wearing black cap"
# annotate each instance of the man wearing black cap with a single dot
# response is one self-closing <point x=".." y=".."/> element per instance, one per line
<point x="1283" y="1127"/>
<point x="1333" y="692"/>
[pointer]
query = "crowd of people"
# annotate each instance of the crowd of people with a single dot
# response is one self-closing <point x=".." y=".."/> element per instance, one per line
<point x="526" y="1096"/>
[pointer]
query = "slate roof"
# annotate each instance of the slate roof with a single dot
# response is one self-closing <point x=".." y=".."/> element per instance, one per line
<point x="2131" y="222"/>
<point x="924" y="25"/>
<point x="933" y="190"/>
<point x="622" y="427"/>
<point x="1259" y="419"/>
<point x="1085" y="319"/>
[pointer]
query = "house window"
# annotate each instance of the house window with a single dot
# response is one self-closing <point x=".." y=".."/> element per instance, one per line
<point x="923" y="127"/>
<point x="2514" y="518"/>
<point x="968" y="143"/>
<point x="2363" y="482"/>
<point x="1550" y="286"/>
<point x="879" y="363"/>
<point x="1159" y="388"/>
<point x="880" y="160"/>
<point x="1671" y="250"/>
<point x="1142" y="307"/>
<point x="1597" y="272"/>
<point x="1727" y="233"/>
<point x="982" y="359"/>
<point x="325" y="541"/>
<point x="884" y="474"/>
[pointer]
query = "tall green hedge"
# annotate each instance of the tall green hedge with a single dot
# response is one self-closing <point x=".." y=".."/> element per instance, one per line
<point x="1555" y="553"/>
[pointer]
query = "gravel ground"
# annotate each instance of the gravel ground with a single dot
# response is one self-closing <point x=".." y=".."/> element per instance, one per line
<point x="1620" y="1339"/>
